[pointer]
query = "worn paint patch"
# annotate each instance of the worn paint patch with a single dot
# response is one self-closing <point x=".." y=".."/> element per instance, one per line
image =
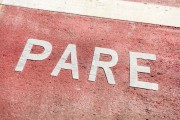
<point x="1" y="7"/>
<point x="1" y="1"/>
<point x="175" y="3"/>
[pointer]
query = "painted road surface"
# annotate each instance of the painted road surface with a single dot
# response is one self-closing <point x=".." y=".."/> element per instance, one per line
<point x="35" y="94"/>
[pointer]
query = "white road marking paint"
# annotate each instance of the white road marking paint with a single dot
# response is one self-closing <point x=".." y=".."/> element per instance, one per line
<point x="134" y="69"/>
<point x="70" y="50"/>
<point x="27" y="55"/>
<point x="96" y="63"/>
<point x="113" y="9"/>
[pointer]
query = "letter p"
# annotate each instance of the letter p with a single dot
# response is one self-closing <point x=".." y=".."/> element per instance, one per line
<point x="27" y="55"/>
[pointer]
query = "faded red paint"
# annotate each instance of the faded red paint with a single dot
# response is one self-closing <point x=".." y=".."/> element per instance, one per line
<point x="34" y="94"/>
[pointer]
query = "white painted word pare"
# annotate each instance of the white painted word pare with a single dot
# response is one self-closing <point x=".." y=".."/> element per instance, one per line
<point x="96" y="63"/>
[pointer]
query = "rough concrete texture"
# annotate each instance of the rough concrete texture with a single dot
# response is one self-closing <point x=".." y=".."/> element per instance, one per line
<point x="174" y="3"/>
<point x="36" y="95"/>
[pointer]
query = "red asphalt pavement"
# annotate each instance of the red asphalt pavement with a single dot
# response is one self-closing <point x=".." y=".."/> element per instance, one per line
<point x="34" y="94"/>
